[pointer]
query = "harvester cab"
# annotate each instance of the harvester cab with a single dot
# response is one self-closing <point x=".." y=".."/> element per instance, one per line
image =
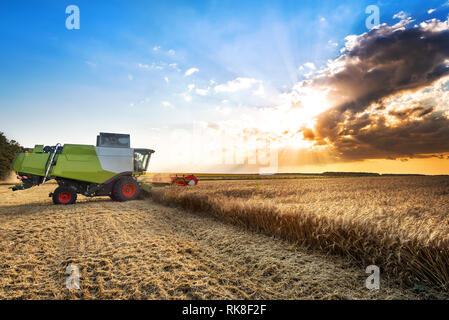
<point x="108" y="169"/>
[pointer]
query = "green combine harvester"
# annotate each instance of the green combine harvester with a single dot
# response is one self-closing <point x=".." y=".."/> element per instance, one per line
<point x="108" y="169"/>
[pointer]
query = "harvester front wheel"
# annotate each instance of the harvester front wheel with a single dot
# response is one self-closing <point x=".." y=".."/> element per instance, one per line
<point x="64" y="195"/>
<point x="125" y="189"/>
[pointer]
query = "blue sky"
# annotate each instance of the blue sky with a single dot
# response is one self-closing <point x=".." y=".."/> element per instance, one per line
<point x="125" y="69"/>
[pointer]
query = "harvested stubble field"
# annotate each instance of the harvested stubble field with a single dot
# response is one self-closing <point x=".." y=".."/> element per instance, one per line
<point x="144" y="250"/>
<point x="400" y="224"/>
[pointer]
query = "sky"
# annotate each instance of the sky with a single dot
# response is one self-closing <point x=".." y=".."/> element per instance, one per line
<point x="234" y="86"/>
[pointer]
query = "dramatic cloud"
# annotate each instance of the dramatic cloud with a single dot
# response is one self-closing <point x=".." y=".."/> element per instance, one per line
<point x="386" y="91"/>
<point x="385" y="97"/>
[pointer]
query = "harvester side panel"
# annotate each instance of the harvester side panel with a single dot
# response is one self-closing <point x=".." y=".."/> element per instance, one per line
<point x="80" y="162"/>
<point x="18" y="161"/>
<point x="115" y="159"/>
<point x="31" y="163"/>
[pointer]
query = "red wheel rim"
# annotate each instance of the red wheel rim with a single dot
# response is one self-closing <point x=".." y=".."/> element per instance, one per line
<point x="65" y="197"/>
<point x="129" y="190"/>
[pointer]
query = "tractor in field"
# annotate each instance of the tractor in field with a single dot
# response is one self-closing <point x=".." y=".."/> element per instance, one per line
<point x="108" y="169"/>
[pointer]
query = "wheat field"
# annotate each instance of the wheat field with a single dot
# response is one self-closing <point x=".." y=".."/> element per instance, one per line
<point x="400" y="224"/>
<point x="145" y="250"/>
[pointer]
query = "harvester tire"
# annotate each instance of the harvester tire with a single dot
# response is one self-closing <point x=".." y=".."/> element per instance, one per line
<point x="125" y="189"/>
<point x="64" y="195"/>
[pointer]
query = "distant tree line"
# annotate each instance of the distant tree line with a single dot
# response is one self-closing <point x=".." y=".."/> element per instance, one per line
<point x="8" y="150"/>
<point x="356" y="174"/>
<point x="369" y="174"/>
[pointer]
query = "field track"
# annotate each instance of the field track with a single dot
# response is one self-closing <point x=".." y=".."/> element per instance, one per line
<point x="143" y="250"/>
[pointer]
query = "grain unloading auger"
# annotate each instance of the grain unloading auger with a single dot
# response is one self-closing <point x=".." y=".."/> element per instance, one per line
<point x="108" y="169"/>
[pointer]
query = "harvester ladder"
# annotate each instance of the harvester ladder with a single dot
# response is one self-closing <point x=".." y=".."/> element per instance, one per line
<point x="51" y="162"/>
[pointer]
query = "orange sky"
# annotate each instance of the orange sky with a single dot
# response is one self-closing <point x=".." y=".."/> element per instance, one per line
<point x="432" y="166"/>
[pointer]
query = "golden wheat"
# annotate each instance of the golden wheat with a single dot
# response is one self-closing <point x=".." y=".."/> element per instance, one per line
<point x="143" y="250"/>
<point x="400" y="224"/>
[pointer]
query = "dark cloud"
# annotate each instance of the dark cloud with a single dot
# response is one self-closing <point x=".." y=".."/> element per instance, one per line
<point x="418" y="111"/>
<point x="376" y="65"/>
<point x="360" y="139"/>
<point x="308" y="134"/>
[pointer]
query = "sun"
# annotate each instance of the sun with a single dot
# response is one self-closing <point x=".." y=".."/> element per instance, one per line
<point x="299" y="113"/>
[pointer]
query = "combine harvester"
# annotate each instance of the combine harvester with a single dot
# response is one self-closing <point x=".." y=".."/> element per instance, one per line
<point x="110" y="169"/>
